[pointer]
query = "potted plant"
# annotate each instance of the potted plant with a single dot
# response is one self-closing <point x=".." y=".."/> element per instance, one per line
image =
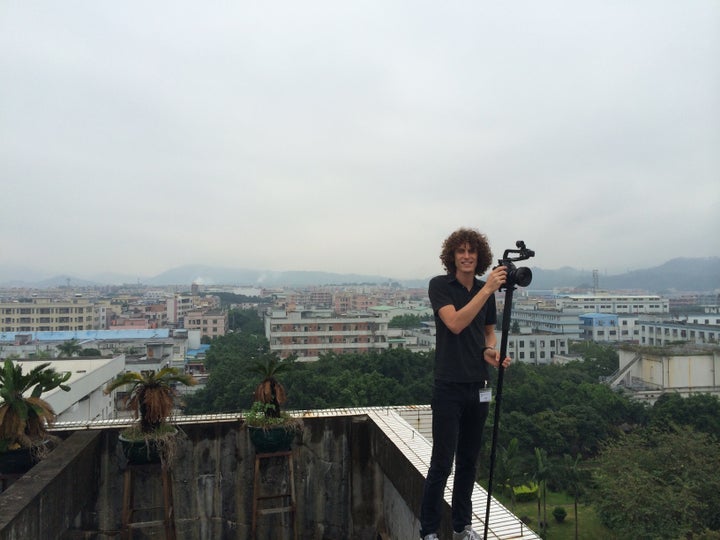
<point x="271" y="429"/>
<point x="24" y="419"/>
<point x="151" y="397"/>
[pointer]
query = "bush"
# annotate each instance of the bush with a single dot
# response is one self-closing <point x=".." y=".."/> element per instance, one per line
<point x="526" y="493"/>
<point x="559" y="513"/>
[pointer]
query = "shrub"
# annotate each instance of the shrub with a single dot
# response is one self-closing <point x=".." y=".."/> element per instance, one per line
<point x="526" y="493"/>
<point x="559" y="513"/>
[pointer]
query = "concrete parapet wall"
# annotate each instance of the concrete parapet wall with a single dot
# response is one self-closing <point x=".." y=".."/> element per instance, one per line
<point x="44" y="502"/>
<point x="345" y="473"/>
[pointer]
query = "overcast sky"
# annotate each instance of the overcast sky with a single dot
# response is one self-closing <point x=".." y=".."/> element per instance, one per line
<point x="354" y="136"/>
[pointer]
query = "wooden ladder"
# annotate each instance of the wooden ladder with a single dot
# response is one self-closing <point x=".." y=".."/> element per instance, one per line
<point x="287" y="498"/>
<point x="168" y="521"/>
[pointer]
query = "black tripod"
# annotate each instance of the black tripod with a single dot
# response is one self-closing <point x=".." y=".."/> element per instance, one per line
<point x="515" y="276"/>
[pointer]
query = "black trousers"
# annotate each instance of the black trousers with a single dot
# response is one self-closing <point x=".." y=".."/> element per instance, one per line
<point x="457" y="428"/>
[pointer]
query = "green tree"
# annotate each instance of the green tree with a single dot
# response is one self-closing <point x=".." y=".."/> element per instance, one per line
<point x="509" y="471"/>
<point x="69" y="348"/>
<point x="245" y="320"/>
<point x="572" y="479"/>
<point x="540" y="477"/>
<point x="659" y="484"/>
<point x="407" y="321"/>
<point x="701" y="411"/>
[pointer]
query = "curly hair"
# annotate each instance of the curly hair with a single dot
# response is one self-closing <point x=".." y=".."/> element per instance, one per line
<point x="478" y="242"/>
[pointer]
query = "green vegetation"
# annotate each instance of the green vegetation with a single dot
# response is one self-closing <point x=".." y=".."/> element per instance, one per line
<point x="24" y="416"/>
<point x="619" y="468"/>
<point x="69" y="348"/>
<point x="394" y="377"/>
<point x="407" y="321"/>
<point x="151" y="394"/>
<point x="659" y="484"/>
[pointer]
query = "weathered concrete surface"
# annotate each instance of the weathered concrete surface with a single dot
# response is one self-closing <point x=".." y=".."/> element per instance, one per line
<point x="345" y="471"/>
<point x="44" y="501"/>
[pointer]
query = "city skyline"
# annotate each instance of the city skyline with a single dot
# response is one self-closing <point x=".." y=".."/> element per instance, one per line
<point x="353" y="139"/>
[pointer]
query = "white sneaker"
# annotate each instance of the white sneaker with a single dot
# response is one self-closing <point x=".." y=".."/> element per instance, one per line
<point x="466" y="534"/>
<point x="431" y="536"/>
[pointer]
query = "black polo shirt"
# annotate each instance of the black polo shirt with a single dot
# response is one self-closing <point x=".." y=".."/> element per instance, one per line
<point x="458" y="358"/>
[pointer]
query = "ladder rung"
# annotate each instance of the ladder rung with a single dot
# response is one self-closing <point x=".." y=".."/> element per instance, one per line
<point x="278" y="510"/>
<point x="143" y="524"/>
<point x="278" y="496"/>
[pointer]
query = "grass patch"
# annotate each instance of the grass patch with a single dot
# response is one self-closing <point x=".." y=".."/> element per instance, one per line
<point x="589" y="526"/>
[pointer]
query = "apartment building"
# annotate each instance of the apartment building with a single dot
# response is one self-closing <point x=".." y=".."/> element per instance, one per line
<point x="177" y="307"/>
<point x="47" y="315"/>
<point x="535" y="348"/>
<point x="609" y="327"/>
<point x="349" y="301"/>
<point x="211" y="323"/>
<point x="562" y="322"/>
<point x="660" y="333"/>
<point x="614" y="303"/>
<point x="312" y="332"/>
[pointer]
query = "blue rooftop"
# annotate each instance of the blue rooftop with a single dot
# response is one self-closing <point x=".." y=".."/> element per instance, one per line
<point x="90" y="335"/>
<point x="194" y="353"/>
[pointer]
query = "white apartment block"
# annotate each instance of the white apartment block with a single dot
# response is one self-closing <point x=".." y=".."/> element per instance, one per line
<point x="310" y="333"/>
<point x="711" y="316"/>
<point x="609" y="328"/>
<point x="614" y="303"/>
<point x="561" y="322"/>
<point x="535" y="348"/>
<point x="661" y="333"/>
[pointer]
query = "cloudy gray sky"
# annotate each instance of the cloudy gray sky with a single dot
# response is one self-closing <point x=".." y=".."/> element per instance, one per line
<point x="354" y="136"/>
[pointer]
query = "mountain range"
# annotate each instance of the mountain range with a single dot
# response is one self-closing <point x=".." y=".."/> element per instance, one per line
<point x="680" y="274"/>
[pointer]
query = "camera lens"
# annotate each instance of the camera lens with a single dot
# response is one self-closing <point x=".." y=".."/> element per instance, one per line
<point x="522" y="276"/>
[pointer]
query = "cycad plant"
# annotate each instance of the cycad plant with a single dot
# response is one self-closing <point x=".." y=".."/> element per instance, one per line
<point x="270" y="391"/>
<point x="151" y="394"/>
<point x="24" y="418"/>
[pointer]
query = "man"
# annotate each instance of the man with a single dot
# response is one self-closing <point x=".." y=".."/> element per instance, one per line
<point x="465" y="318"/>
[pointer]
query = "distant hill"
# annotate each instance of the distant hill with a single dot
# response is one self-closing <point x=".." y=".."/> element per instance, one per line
<point x="681" y="274"/>
<point x="267" y="278"/>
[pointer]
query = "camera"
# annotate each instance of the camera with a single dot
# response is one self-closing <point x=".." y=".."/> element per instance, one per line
<point x="516" y="276"/>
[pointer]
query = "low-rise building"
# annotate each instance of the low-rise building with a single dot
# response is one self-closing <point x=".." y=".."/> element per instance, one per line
<point x="609" y="328"/>
<point x="564" y="322"/>
<point x="535" y="348"/>
<point x="660" y="333"/>
<point x="310" y="333"/>
<point x="86" y="400"/>
<point x="614" y="303"/>
<point x="211" y="323"/>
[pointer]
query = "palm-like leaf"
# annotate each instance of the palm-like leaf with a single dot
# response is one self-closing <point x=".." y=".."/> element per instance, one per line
<point x="270" y="390"/>
<point x="24" y="419"/>
<point x="151" y="394"/>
